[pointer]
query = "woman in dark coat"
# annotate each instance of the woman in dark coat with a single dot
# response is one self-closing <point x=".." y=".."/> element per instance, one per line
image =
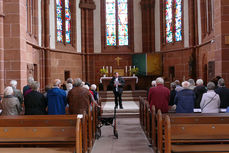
<point x="35" y="102"/>
<point x="185" y="99"/>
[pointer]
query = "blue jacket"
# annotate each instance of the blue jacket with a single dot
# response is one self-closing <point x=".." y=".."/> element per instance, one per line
<point x="56" y="101"/>
<point x="185" y="100"/>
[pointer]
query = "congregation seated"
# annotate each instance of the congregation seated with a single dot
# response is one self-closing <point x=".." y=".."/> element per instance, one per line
<point x="185" y="99"/>
<point x="10" y="104"/>
<point x="210" y="102"/>
<point x="35" y="102"/>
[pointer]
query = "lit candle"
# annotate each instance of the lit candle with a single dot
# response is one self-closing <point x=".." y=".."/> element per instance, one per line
<point x="130" y="68"/>
<point x="134" y="66"/>
<point x="111" y="69"/>
<point x="126" y="69"/>
<point x="107" y="68"/>
<point x="103" y="67"/>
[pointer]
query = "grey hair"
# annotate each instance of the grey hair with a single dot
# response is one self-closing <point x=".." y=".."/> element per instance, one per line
<point x="210" y="86"/>
<point x="56" y="82"/>
<point x="160" y="80"/>
<point x="221" y="82"/>
<point x="185" y="84"/>
<point x="70" y="80"/>
<point x="35" y="85"/>
<point x="77" y="82"/>
<point x="8" y="91"/>
<point x="173" y="85"/>
<point x="177" y="82"/>
<point x="192" y="82"/>
<point x="93" y="87"/>
<point x="154" y="83"/>
<point x="13" y="83"/>
<point x="199" y="82"/>
<point x="30" y="80"/>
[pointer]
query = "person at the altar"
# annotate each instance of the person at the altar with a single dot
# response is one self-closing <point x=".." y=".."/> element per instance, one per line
<point x="117" y="83"/>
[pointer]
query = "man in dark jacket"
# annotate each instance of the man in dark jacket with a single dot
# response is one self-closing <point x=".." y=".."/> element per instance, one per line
<point x="117" y="83"/>
<point x="79" y="98"/>
<point x="223" y="93"/>
<point x="199" y="91"/>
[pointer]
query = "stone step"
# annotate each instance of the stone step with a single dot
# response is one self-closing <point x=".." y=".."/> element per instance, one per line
<point x="112" y="99"/>
<point x="131" y="109"/>
<point x="124" y="94"/>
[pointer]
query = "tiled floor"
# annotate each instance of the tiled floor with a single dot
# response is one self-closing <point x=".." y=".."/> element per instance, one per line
<point x="131" y="138"/>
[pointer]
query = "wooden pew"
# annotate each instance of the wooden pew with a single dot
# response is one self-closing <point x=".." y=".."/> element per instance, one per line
<point x="177" y="131"/>
<point x="148" y="121"/>
<point x="63" y="131"/>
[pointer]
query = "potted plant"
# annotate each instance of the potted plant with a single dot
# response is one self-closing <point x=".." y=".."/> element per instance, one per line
<point x="103" y="72"/>
<point x="134" y="71"/>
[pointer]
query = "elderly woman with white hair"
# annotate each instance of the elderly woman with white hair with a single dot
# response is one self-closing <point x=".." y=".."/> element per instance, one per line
<point x="185" y="99"/>
<point x="95" y="94"/>
<point x="210" y="102"/>
<point x="17" y="92"/>
<point x="10" y="104"/>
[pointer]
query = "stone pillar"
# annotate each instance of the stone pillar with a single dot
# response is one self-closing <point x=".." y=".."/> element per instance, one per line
<point x="148" y="26"/>
<point x="87" y="8"/>
<point x="1" y="47"/>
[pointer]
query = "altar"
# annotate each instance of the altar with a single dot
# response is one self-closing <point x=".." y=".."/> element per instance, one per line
<point x="132" y="81"/>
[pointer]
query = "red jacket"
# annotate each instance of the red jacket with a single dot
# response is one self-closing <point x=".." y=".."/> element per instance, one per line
<point x="159" y="96"/>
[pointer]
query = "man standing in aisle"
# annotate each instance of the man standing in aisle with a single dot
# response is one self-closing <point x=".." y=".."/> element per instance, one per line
<point x="117" y="83"/>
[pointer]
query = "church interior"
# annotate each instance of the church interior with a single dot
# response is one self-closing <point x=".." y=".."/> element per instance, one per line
<point x="141" y="40"/>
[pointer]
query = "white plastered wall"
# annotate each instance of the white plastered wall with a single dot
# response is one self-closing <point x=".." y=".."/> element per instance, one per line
<point x="39" y="23"/>
<point x="157" y="26"/>
<point x="199" y="22"/>
<point x="97" y="27"/>
<point x="186" y="24"/>
<point x="137" y="27"/>
<point x="78" y="26"/>
<point x="52" y="25"/>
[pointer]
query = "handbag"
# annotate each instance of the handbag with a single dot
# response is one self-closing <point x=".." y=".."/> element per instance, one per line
<point x="209" y="102"/>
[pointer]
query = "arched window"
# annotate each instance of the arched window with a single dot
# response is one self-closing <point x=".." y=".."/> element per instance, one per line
<point x="117" y="25"/>
<point x="173" y="20"/>
<point x="63" y="21"/>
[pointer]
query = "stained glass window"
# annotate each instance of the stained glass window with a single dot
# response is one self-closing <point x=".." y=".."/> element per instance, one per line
<point x="173" y="20"/>
<point x="116" y="22"/>
<point x="178" y="23"/>
<point x="59" y="21"/>
<point x="63" y="21"/>
<point x="67" y="22"/>
<point x="169" y="18"/>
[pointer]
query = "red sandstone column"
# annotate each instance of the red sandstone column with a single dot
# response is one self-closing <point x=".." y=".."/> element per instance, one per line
<point x="1" y="47"/>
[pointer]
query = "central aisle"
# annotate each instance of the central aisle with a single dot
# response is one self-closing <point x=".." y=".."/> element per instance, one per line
<point x="131" y="138"/>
